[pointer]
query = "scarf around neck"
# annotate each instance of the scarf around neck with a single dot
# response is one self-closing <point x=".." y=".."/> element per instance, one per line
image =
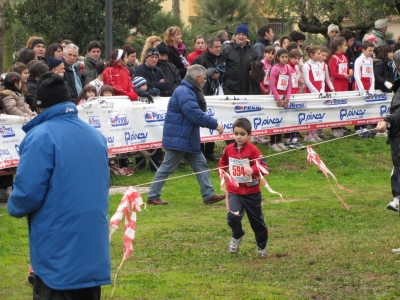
<point x="199" y="93"/>
<point x="163" y="64"/>
<point x="180" y="49"/>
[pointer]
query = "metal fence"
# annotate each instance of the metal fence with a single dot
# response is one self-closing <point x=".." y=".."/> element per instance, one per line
<point x="278" y="26"/>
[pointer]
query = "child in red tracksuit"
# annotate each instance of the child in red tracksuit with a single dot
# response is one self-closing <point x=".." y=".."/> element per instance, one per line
<point x="239" y="158"/>
<point x="338" y="65"/>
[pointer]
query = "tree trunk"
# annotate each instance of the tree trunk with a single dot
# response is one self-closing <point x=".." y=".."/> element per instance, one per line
<point x="3" y="31"/>
<point x="176" y="8"/>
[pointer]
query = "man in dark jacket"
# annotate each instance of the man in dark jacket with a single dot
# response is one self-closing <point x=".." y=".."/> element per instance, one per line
<point x="148" y="70"/>
<point x="169" y="70"/>
<point x="72" y="75"/>
<point x="210" y="60"/>
<point x="238" y="56"/>
<point x="392" y="124"/>
<point x="181" y="136"/>
<point x="265" y="38"/>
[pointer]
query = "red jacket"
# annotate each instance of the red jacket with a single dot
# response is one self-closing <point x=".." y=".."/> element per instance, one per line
<point x="247" y="151"/>
<point x="191" y="57"/>
<point x="120" y="79"/>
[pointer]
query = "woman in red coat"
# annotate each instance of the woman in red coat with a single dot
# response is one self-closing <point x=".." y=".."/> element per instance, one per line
<point x="118" y="76"/>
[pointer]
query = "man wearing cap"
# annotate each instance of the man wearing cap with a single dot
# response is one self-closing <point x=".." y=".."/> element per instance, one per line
<point x="148" y="70"/>
<point x="333" y="30"/>
<point x="72" y="75"/>
<point x="57" y="66"/>
<point x="39" y="46"/>
<point x="181" y="136"/>
<point x="88" y="65"/>
<point x="379" y="32"/>
<point x="170" y="71"/>
<point x="238" y="56"/>
<point x="265" y="38"/>
<point x="64" y="197"/>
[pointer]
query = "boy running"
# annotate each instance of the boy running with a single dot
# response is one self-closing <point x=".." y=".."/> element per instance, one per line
<point x="240" y="158"/>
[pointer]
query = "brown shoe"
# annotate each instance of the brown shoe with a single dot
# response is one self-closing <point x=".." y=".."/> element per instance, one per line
<point x="214" y="199"/>
<point x="156" y="201"/>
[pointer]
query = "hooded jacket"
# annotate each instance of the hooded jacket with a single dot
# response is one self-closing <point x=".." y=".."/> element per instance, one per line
<point x="119" y="78"/>
<point x="184" y="119"/>
<point x="64" y="194"/>
<point x="13" y="104"/>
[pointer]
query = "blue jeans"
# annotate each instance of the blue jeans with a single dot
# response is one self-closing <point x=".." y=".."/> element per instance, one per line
<point x="171" y="161"/>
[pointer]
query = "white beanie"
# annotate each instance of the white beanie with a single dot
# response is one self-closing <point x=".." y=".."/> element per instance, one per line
<point x="333" y="27"/>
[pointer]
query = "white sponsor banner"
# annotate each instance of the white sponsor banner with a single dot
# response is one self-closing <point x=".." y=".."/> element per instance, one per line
<point x="11" y="135"/>
<point x="132" y="126"/>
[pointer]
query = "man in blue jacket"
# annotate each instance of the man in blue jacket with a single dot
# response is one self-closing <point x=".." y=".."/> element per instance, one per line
<point x="181" y="136"/>
<point x="62" y="188"/>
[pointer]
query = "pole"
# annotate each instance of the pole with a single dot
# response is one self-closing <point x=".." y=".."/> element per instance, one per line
<point x="108" y="29"/>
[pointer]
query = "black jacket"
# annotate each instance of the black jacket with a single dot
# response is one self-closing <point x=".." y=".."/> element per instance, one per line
<point x="238" y="67"/>
<point x="173" y="77"/>
<point x="69" y="77"/>
<point x="152" y="76"/>
<point x="382" y="72"/>
<point x="30" y="99"/>
<point x="260" y="45"/>
<point x="209" y="61"/>
<point x="174" y="58"/>
<point x="394" y="117"/>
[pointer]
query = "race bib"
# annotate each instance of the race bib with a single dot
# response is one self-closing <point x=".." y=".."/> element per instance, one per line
<point x="366" y="70"/>
<point x="283" y="82"/>
<point x="343" y="68"/>
<point x="317" y="73"/>
<point x="266" y="77"/>
<point x="237" y="167"/>
<point x="295" y="80"/>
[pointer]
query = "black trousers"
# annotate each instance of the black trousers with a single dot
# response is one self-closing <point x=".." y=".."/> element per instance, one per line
<point x="43" y="292"/>
<point x="251" y="204"/>
<point x="394" y="177"/>
<point x="207" y="148"/>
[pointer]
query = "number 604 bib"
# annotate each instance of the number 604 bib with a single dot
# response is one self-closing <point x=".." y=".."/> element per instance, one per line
<point x="237" y="167"/>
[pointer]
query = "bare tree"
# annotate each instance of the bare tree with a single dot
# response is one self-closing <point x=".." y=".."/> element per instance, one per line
<point x="3" y="31"/>
<point x="176" y="8"/>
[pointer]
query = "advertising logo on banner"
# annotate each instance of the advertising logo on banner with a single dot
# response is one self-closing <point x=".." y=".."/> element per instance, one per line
<point x="351" y="114"/>
<point x="384" y="110"/>
<point x="154" y="116"/>
<point x="226" y="126"/>
<point x="263" y="123"/>
<point x="296" y="105"/>
<point x="210" y="111"/>
<point x="135" y="138"/>
<point x="5" y="154"/>
<point x="95" y="122"/>
<point x="335" y="102"/>
<point x="110" y="141"/>
<point x="375" y="97"/>
<point x="239" y="109"/>
<point x="310" y="118"/>
<point x="119" y="120"/>
<point x="7" y="131"/>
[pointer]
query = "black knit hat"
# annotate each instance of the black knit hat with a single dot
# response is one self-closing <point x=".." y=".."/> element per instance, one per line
<point x="162" y="48"/>
<point x="51" y="90"/>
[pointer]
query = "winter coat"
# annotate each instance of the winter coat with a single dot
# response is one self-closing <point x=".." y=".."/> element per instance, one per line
<point x="89" y="69"/>
<point x="119" y="78"/>
<point x="174" y="58"/>
<point x="247" y="151"/>
<point x="64" y="195"/>
<point x="380" y="36"/>
<point x="238" y="67"/>
<point x="13" y="103"/>
<point x="192" y="56"/>
<point x="184" y="119"/>
<point x="70" y="78"/>
<point x="382" y="72"/>
<point x="173" y="77"/>
<point x="153" y="76"/>
<point x="31" y="86"/>
<point x="260" y="45"/>
<point x="209" y="61"/>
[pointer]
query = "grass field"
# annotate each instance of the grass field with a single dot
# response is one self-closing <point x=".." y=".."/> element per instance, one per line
<point x="316" y="249"/>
